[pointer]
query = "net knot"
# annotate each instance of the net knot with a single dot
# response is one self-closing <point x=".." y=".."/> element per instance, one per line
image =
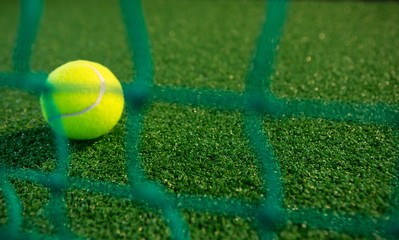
<point x="138" y="95"/>
<point x="57" y="183"/>
<point x="256" y="104"/>
<point x="271" y="219"/>
<point x="392" y="229"/>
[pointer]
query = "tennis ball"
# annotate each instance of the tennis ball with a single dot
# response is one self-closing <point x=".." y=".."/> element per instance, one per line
<point x="83" y="100"/>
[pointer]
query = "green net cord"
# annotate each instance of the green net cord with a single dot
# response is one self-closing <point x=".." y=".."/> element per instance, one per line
<point x="13" y="208"/>
<point x="30" y="14"/>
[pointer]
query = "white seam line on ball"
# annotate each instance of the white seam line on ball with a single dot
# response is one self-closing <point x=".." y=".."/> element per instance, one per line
<point x="98" y="100"/>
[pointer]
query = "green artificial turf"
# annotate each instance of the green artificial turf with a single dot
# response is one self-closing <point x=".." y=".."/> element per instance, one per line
<point x="346" y="51"/>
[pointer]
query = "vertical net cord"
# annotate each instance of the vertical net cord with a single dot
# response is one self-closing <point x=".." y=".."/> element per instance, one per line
<point x="258" y="93"/>
<point x="58" y="179"/>
<point x="391" y="227"/>
<point x="14" y="209"/>
<point x="30" y="14"/>
<point x="138" y="41"/>
<point x="59" y="185"/>
<point x="141" y="59"/>
<point x="137" y="95"/>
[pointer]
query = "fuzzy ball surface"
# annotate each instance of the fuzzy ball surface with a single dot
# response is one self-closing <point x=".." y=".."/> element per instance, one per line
<point x="83" y="100"/>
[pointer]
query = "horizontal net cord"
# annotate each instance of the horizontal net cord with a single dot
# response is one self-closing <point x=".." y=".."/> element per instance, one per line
<point x="323" y="219"/>
<point x="378" y="113"/>
<point x="31" y="235"/>
<point x="271" y="105"/>
<point x="358" y="224"/>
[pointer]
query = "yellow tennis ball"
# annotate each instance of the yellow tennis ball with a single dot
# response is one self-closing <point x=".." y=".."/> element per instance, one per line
<point x="84" y="100"/>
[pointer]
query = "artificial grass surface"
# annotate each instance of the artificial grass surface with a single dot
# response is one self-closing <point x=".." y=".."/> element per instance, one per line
<point x="333" y="51"/>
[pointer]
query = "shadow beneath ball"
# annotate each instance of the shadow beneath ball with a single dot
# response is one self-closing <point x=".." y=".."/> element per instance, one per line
<point x="30" y="149"/>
